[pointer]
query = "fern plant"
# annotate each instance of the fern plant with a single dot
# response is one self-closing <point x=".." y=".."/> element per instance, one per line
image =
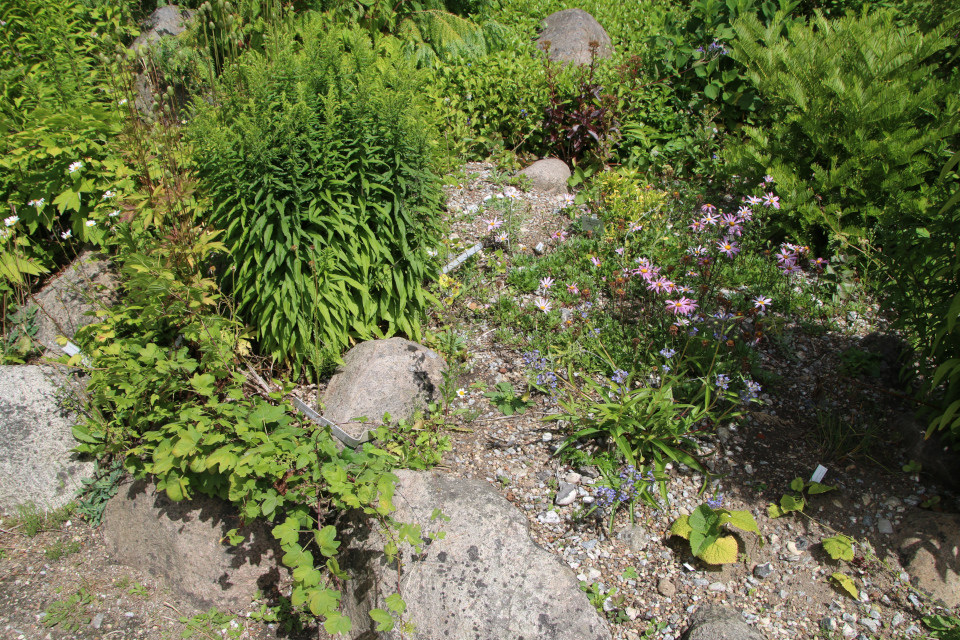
<point x="857" y="123"/>
<point x="318" y="166"/>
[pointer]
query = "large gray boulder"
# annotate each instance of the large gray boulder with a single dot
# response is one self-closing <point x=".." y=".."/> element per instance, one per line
<point x="166" y="22"/>
<point x="570" y="33"/>
<point x="548" y="176"/>
<point x="182" y="543"/>
<point x="37" y="414"/>
<point x="484" y="579"/>
<point x="394" y="376"/>
<point x="713" y="622"/>
<point x="930" y="550"/>
<point x="87" y="284"/>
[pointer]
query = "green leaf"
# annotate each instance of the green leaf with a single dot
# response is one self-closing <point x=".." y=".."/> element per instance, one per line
<point x="288" y="532"/>
<point x="681" y="527"/>
<point x="712" y="91"/>
<point x="336" y="623"/>
<point x="816" y="487"/>
<point x="383" y="619"/>
<point x="395" y="603"/>
<point x="703" y="519"/>
<point x="742" y="520"/>
<point x="797" y="484"/>
<point x="774" y="511"/>
<point x="791" y="503"/>
<point x="840" y="547"/>
<point x="323" y="602"/>
<point x="723" y="551"/>
<point x="326" y="540"/>
<point x="297" y="556"/>
<point x="307" y="576"/>
<point x="846" y="583"/>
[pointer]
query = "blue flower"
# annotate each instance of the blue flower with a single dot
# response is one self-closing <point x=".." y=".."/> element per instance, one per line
<point x="723" y="381"/>
<point x="715" y="503"/>
<point x="667" y="353"/>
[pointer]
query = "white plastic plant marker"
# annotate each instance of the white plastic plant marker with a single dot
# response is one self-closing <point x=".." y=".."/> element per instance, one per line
<point x="459" y="260"/>
<point x="70" y="349"/>
<point x="818" y="473"/>
<point x="340" y="434"/>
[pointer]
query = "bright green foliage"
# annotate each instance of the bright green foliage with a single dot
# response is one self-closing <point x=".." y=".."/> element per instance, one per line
<point x="856" y="121"/>
<point x="57" y="107"/>
<point x="943" y="627"/>
<point x="168" y="398"/>
<point x="69" y="614"/>
<point x="707" y="540"/>
<point x="795" y="500"/>
<point x="212" y="624"/>
<point x="319" y="170"/>
<point x="506" y="399"/>
<point x="845" y="584"/>
<point x="840" y="547"/>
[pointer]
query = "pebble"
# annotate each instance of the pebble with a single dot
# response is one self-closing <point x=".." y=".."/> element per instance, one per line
<point x="594" y="574"/>
<point x="97" y="621"/>
<point x="848" y="631"/>
<point x="763" y="571"/>
<point x="573" y="477"/>
<point x="850" y="617"/>
<point x="884" y="526"/>
<point x="666" y="588"/>
<point x="547" y="437"/>
<point x="871" y="624"/>
<point x="897" y="620"/>
<point x="700" y="582"/>
<point x="566" y="494"/>
<point x="792" y="548"/>
<point x="551" y="517"/>
<point x="718" y="586"/>
<point x="828" y="624"/>
<point x="632" y="613"/>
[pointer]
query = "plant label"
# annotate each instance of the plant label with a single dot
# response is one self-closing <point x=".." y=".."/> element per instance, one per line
<point x="459" y="260"/>
<point x="818" y="473"/>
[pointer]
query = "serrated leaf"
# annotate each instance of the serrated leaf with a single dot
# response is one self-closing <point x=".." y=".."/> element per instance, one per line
<point x="681" y="527"/>
<point x="297" y="556"/>
<point x="326" y="540"/>
<point x="839" y="547"/>
<point x="723" y="551"/>
<point x="323" y="602"/>
<point x="396" y="603"/>
<point x="336" y="623"/>
<point x="307" y="576"/>
<point x="846" y="583"/>
<point x="383" y="619"/>
<point x="288" y="532"/>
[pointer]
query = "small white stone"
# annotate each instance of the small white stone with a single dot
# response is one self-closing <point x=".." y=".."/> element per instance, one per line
<point x="547" y="437"/>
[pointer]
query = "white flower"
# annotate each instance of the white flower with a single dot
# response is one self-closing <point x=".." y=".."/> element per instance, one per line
<point x="543" y="304"/>
<point x="432" y="253"/>
<point x="75" y="166"/>
<point x="37" y="203"/>
<point x="122" y="102"/>
<point x="108" y="194"/>
<point x="461" y="392"/>
<point x="66" y="234"/>
<point x="12" y="220"/>
<point x="91" y="223"/>
<point x="114" y="213"/>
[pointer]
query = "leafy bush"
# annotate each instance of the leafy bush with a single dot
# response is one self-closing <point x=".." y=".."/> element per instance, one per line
<point x="168" y="399"/>
<point x="857" y="124"/>
<point x="318" y="165"/>
<point x="693" y="52"/>
<point x="702" y="529"/>
<point x="58" y="116"/>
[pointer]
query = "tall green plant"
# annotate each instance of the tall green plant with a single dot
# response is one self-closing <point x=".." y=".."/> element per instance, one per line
<point x="857" y="119"/>
<point x="319" y="169"/>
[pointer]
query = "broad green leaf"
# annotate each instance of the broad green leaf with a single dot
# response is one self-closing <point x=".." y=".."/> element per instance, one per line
<point x="297" y="556"/>
<point x="791" y="503"/>
<point x="816" y="487"/>
<point x="326" y="540"/>
<point x="846" y="583"/>
<point x="742" y="520"/>
<point x="336" y="623"/>
<point x="774" y="511"/>
<point x="307" y="576"/>
<point x="840" y="547"/>
<point x="797" y="484"/>
<point x="703" y="519"/>
<point x="723" y="551"/>
<point x="396" y="603"/>
<point x="288" y="532"/>
<point x="323" y="602"/>
<point x="383" y="619"/>
<point x="681" y="527"/>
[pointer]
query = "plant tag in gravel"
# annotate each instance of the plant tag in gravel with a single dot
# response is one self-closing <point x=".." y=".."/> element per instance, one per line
<point x="818" y="473"/>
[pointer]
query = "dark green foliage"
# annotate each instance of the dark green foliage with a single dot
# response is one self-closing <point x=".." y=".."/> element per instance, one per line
<point x="856" y="125"/>
<point x="318" y="166"/>
<point x="693" y="52"/>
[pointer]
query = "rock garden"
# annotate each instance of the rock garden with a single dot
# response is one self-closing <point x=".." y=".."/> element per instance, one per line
<point x="479" y="320"/>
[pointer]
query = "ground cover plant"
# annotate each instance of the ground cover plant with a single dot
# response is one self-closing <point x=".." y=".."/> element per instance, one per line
<point x="733" y="183"/>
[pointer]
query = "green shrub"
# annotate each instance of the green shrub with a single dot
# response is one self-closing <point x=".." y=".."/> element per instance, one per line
<point x="857" y="123"/>
<point x="319" y="168"/>
<point x="58" y="116"/>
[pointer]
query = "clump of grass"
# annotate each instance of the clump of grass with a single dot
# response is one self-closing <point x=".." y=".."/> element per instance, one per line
<point x="32" y="519"/>
<point x="60" y="549"/>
